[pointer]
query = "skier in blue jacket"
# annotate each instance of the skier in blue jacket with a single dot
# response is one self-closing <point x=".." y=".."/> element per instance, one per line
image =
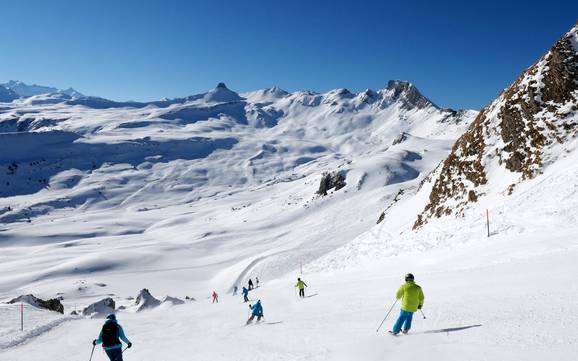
<point x="110" y="337"/>
<point x="245" y="294"/>
<point x="257" y="311"/>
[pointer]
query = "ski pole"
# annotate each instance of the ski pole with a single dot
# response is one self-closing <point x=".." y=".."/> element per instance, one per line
<point x="422" y="313"/>
<point x="124" y="349"/>
<point x="388" y="312"/>
<point x="91" y="352"/>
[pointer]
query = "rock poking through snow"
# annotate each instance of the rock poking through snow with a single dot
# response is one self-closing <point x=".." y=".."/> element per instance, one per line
<point x="175" y="301"/>
<point x="52" y="304"/>
<point x="99" y="309"/>
<point x="145" y="300"/>
<point x="329" y="181"/>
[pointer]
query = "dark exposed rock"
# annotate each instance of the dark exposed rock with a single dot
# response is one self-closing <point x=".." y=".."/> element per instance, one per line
<point x="52" y="304"/>
<point x="408" y="94"/>
<point x="381" y="218"/>
<point x="517" y="129"/>
<point x="331" y="180"/>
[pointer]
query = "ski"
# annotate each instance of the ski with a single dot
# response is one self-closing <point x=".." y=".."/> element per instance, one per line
<point x="315" y="294"/>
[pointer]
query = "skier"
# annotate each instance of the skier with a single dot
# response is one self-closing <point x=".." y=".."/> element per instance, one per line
<point x="110" y="337"/>
<point x="235" y="289"/>
<point x="245" y="294"/>
<point x="257" y="311"/>
<point x="301" y="285"/>
<point x="215" y="297"/>
<point x="250" y="284"/>
<point x="257" y="281"/>
<point x="412" y="300"/>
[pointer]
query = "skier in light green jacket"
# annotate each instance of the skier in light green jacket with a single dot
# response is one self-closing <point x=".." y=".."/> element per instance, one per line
<point x="301" y="285"/>
<point x="412" y="298"/>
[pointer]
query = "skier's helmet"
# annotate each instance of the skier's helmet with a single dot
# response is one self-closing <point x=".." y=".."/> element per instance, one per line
<point x="409" y="277"/>
<point x="112" y="316"/>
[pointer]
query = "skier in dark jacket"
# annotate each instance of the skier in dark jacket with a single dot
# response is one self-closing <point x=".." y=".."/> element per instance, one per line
<point x="245" y="294"/>
<point x="250" y="284"/>
<point x="257" y="311"/>
<point x="110" y="337"/>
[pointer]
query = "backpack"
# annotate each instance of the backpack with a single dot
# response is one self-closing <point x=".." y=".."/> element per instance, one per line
<point x="110" y="334"/>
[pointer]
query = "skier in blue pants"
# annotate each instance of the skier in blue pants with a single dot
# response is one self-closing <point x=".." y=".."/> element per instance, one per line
<point x="110" y="337"/>
<point x="245" y="294"/>
<point x="412" y="298"/>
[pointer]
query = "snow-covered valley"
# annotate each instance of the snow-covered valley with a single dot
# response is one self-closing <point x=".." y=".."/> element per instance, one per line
<point x="194" y="195"/>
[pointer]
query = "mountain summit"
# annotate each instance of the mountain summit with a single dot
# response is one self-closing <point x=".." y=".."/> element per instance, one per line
<point x="221" y="94"/>
<point x="525" y="129"/>
<point x="407" y="94"/>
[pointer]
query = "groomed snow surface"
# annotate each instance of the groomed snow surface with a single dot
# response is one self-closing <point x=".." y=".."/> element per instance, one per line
<point x="504" y="299"/>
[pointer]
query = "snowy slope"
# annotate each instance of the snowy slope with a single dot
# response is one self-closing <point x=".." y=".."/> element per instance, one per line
<point x="211" y="188"/>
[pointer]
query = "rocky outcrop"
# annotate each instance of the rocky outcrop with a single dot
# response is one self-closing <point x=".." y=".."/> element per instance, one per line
<point x="329" y="181"/>
<point x="517" y="132"/>
<point x="145" y="300"/>
<point x="173" y="300"/>
<point x="407" y="94"/>
<point x="52" y="304"/>
<point x="101" y="308"/>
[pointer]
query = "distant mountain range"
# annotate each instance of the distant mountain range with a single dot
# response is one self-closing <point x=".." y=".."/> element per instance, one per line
<point x="16" y="89"/>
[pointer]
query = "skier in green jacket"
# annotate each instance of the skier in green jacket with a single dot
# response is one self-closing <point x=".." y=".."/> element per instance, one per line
<point x="412" y="299"/>
<point x="301" y="285"/>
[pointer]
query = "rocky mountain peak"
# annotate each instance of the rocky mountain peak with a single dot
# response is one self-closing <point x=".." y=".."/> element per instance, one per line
<point x="519" y="132"/>
<point x="407" y="94"/>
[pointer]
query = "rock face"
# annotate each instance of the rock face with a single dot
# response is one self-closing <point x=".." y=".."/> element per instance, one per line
<point x="408" y="94"/>
<point x="145" y="300"/>
<point x="101" y="308"/>
<point x="52" y="304"/>
<point x="518" y="134"/>
<point x="329" y="181"/>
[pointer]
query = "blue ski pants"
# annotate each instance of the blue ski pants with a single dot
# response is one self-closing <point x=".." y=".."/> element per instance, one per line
<point x="115" y="354"/>
<point x="404" y="320"/>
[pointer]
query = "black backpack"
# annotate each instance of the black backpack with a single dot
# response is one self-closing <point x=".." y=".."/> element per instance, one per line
<point x="110" y="334"/>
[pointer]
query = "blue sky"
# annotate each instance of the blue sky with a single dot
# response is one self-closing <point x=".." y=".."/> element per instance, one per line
<point x="458" y="53"/>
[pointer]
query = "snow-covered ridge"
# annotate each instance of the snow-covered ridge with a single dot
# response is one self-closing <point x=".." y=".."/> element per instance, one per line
<point x="528" y="127"/>
<point x="23" y="90"/>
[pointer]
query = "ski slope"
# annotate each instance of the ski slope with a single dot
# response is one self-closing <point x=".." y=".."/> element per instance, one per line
<point x="511" y="308"/>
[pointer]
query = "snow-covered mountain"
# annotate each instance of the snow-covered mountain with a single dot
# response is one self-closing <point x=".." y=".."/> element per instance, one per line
<point x="529" y="127"/>
<point x="261" y="136"/>
<point x="258" y="158"/>
<point x="25" y="90"/>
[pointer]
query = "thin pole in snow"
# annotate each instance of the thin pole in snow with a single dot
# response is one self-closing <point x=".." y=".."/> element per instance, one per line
<point x="21" y="316"/>
<point x="488" y="221"/>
